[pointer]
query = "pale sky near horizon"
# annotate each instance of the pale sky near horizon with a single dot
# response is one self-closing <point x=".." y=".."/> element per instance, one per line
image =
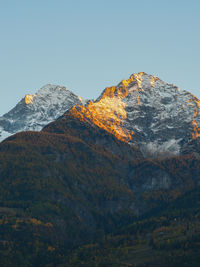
<point x="89" y="45"/>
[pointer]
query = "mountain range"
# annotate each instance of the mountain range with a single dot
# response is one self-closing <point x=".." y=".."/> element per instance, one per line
<point x="111" y="182"/>
<point x="144" y="111"/>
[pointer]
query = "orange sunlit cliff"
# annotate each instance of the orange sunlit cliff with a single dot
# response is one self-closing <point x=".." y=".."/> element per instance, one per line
<point x="108" y="113"/>
<point x="196" y="132"/>
<point x="28" y="99"/>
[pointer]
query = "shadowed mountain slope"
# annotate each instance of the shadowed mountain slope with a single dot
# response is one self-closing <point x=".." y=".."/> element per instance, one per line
<point x="68" y="184"/>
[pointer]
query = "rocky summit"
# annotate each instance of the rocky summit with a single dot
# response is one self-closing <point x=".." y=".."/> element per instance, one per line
<point x="33" y="112"/>
<point x="147" y="112"/>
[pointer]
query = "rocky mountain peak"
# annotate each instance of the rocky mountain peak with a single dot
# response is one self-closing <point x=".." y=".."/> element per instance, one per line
<point x="48" y="94"/>
<point x="139" y="82"/>
<point x="51" y="89"/>
<point x="35" y="111"/>
<point x="142" y="80"/>
<point x="148" y="112"/>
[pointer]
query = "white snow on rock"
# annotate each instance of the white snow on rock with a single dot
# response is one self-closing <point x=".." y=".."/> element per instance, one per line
<point x="159" y="116"/>
<point x="33" y="112"/>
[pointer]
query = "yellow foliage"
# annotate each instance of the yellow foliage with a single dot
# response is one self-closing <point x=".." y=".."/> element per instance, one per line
<point x="48" y="224"/>
<point x="35" y="221"/>
<point x="50" y="248"/>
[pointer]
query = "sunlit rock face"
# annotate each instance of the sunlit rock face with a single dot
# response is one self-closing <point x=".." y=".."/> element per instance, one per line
<point x="145" y="111"/>
<point x="33" y="112"/>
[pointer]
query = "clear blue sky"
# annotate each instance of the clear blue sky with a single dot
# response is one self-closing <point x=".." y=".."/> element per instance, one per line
<point x="87" y="45"/>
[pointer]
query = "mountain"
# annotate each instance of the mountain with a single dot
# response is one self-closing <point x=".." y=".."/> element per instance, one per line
<point x="90" y="189"/>
<point x="147" y="112"/>
<point x="33" y="112"/>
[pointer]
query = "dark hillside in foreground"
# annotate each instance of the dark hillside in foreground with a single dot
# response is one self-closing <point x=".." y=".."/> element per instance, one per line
<point x="74" y="193"/>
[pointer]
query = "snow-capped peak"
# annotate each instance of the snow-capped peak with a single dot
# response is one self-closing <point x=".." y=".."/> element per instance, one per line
<point x="35" y="111"/>
<point x="142" y="81"/>
<point x="147" y="112"/>
<point x="49" y="91"/>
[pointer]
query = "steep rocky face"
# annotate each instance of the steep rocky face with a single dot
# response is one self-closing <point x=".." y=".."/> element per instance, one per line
<point x="33" y="112"/>
<point x="147" y="112"/>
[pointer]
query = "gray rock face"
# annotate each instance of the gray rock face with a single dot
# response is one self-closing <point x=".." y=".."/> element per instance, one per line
<point x="33" y="112"/>
<point x="156" y="116"/>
